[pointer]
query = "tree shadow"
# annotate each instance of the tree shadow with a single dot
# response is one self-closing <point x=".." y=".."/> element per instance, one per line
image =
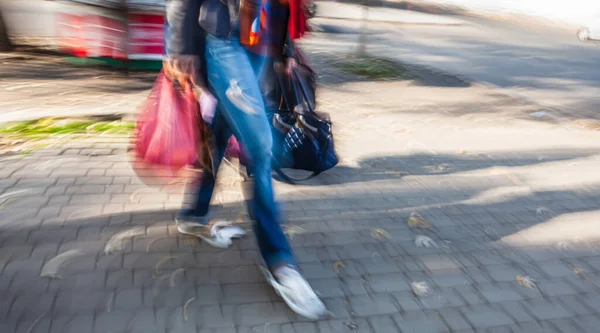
<point x="386" y="168"/>
<point x="153" y="278"/>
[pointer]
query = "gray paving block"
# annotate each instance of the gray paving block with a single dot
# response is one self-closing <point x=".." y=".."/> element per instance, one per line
<point x="375" y="265"/>
<point x="328" y="288"/>
<point x="564" y="325"/>
<point x="442" y="298"/>
<point x="500" y="292"/>
<point x="82" y="301"/>
<point x="358" y="325"/>
<point x="451" y="279"/>
<point x="421" y="322"/>
<point x="588" y="323"/>
<point x="575" y="304"/>
<point x="128" y="299"/>
<point x="216" y="317"/>
<point x="119" y="279"/>
<point x="516" y="311"/>
<point x="260" y="313"/>
<point x="485" y="317"/>
<point x="591" y="300"/>
<point x="555" y="287"/>
<point x="247" y="293"/>
<point x="386" y="283"/>
<point x="338" y="307"/>
<point x="34" y="322"/>
<point x="407" y="301"/>
<point x="28" y="304"/>
<point x="318" y="271"/>
<point x="555" y="268"/>
<point x="164" y="296"/>
<point x="356" y="286"/>
<point x="439" y="262"/>
<point x="116" y="321"/>
<point x="31" y="266"/>
<point x="544" y="310"/>
<point x="364" y="306"/>
<point x="454" y="319"/>
<point x="383" y="324"/>
<point x="234" y="274"/>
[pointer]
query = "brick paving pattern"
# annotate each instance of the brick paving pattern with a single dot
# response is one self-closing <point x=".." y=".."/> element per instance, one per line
<point x="450" y="212"/>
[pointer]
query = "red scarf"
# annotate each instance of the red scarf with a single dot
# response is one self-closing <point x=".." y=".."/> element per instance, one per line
<point x="297" y="22"/>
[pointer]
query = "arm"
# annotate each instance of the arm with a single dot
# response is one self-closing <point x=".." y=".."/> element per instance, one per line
<point x="289" y="47"/>
<point x="184" y="42"/>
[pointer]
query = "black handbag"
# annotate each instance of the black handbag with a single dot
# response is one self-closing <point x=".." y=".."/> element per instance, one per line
<point x="304" y="135"/>
<point x="218" y="17"/>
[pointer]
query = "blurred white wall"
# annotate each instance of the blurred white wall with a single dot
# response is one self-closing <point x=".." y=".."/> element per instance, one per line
<point x="579" y="12"/>
<point x="32" y="18"/>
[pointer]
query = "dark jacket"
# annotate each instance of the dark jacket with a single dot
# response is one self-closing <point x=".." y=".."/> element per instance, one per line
<point x="184" y="36"/>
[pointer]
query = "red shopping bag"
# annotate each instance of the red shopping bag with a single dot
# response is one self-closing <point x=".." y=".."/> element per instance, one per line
<point x="168" y="132"/>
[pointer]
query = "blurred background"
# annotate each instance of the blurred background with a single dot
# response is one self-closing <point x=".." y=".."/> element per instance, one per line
<point x="466" y="198"/>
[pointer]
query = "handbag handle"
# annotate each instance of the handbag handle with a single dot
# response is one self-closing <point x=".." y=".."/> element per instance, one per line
<point x="297" y="82"/>
<point x="282" y="87"/>
<point x="298" y="78"/>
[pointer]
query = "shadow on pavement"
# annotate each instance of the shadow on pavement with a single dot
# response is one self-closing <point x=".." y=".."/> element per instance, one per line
<point x="396" y="167"/>
<point x="155" y="278"/>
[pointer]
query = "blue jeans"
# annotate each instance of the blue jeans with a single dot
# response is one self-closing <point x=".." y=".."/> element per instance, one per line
<point x="242" y="113"/>
<point x="269" y="87"/>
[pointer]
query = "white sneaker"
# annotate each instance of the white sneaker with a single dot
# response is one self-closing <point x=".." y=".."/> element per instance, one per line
<point x="218" y="234"/>
<point x="296" y="292"/>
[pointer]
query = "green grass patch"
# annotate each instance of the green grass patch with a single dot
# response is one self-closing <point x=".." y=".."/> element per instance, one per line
<point x="48" y="127"/>
<point x="374" y="68"/>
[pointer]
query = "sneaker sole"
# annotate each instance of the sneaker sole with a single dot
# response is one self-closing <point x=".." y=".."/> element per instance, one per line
<point x="205" y="239"/>
<point x="278" y="289"/>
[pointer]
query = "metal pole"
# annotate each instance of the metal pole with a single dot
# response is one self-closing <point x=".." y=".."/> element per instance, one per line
<point x="362" y="43"/>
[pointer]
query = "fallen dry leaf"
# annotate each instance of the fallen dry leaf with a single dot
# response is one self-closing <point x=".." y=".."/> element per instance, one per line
<point x="337" y="265"/>
<point x="117" y="241"/>
<point x="53" y="265"/>
<point x="425" y="241"/>
<point x="417" y="221"/>
<point x="420" y="288"/>
<point x="379" y="233"/>
<point x="292" y="230"/>
<point x="160" y="263"/>
<point x="544" y="211"/>
<point x="174" y="275"/>
<point x="580" y="272"/>
<point x="185" y="315"/>
<point x="527" y="282"/>
<point x="132" y="197"/>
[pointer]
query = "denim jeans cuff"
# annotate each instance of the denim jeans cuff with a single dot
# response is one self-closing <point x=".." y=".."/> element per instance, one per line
<point x="279" y="259"/>
<point x="189" y="216"/>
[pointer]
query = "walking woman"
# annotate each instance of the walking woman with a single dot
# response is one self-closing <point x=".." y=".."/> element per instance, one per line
<point x="203" y="48"/>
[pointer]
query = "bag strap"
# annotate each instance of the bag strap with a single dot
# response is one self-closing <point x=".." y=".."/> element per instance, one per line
<point x="283" y="90"/>
<point x="302" y="85"/>
<point x="292" y="180"/>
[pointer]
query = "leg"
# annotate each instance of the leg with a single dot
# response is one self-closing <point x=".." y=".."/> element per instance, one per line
<point x="264" y="69"/>
<point x="232" y="79"/>
<point x="205" y="185"/>
<point x="193" y="221"/>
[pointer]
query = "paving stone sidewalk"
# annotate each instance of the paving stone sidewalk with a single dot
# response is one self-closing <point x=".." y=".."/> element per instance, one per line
<point x="453" y="210"/>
